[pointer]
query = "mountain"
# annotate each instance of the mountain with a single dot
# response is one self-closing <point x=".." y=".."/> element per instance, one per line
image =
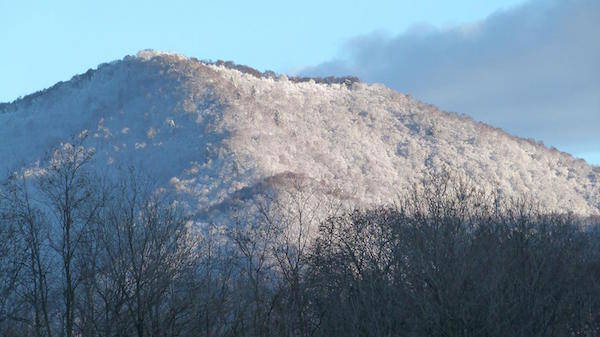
<point x="217" y="132"/>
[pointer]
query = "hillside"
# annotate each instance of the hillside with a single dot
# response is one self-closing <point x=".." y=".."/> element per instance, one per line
<point x="214" y="134"/>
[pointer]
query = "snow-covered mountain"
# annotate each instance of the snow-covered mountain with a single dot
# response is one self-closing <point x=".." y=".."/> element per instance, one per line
<point x="214" y="133"/>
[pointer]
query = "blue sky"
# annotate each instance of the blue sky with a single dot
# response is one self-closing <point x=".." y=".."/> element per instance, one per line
<point x="44" y="42"/>
<point x="47" y="41"/>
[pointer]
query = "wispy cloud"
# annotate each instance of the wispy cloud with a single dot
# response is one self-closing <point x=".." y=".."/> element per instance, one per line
<point x="532" y="70"/>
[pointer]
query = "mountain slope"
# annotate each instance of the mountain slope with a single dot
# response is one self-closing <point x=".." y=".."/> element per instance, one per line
<point x="215" y="133"/>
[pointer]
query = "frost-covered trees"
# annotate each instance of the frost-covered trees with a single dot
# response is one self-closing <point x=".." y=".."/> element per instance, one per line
<point x="217" y="129"/>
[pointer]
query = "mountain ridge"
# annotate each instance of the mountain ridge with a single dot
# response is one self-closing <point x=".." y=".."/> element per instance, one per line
<point x="7" y="107"/>
<point x="242" y="129"/>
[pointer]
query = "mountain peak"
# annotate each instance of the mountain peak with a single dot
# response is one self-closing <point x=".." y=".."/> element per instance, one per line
<point x="147" y="54"/>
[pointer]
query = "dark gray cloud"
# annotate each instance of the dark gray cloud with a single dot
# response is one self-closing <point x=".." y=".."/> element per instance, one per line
<point x="532" y="70"/>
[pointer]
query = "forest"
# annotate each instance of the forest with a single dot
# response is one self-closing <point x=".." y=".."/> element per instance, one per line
<point x="89" y="254"/>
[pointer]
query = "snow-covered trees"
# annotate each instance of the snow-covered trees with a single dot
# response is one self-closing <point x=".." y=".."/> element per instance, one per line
<point x="219" y="128"/>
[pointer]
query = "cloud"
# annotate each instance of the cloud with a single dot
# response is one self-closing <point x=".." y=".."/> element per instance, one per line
<point x="533" y="70"/>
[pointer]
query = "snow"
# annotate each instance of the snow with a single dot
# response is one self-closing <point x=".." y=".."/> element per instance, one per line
<point x="214" y="134"/>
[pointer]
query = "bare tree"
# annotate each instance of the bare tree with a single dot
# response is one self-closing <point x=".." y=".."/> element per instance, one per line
<point x="13" y="260"/>
<point x="33" y="233"/>
<point x="71" y="206"/>
<point x="150" y="257"/>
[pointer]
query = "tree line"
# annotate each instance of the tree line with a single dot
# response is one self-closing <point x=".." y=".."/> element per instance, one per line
<point x="82" y="254"/>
